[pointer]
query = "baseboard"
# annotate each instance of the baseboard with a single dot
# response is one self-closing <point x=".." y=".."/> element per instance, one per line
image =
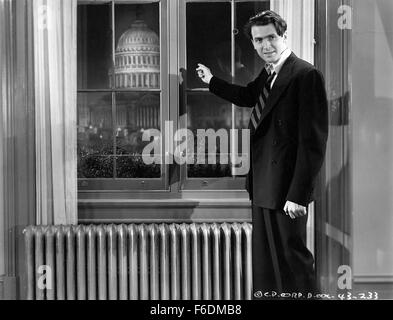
<point x="379" y="285"/>
<point x="1" y="287"/>
<point x="373" y="278"/>
<point x="7" y="288"/>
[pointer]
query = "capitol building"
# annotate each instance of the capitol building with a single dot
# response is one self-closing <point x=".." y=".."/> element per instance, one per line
<point x="137" y="66"/>
<point x="137" y="59"/>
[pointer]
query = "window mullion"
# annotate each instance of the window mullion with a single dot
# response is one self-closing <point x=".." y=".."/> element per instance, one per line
<point x="176" y="38"/>
<point x="114" y="116"/>
<point x="233" y="58"/>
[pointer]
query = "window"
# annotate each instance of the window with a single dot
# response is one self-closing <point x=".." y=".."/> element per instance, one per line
<point x="124" y="89"/>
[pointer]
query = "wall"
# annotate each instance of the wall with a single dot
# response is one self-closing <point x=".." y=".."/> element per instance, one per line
<point x="372" y="130"/>
<point x="17" y="146"/>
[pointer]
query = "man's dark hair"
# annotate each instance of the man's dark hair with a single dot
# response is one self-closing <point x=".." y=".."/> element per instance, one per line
<point x="264" y="18"/>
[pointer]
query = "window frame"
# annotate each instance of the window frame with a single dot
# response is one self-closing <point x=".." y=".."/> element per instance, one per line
<point x="137" y="185"/>
<point x="219" y="183"/>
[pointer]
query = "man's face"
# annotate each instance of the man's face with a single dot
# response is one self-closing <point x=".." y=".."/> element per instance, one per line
<point x="268" y="44"/>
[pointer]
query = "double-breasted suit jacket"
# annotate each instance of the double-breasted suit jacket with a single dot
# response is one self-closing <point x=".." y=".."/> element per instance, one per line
<point x="289" y="143"/>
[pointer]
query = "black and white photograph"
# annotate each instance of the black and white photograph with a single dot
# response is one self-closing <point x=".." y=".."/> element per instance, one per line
<point x="215" y="152"/>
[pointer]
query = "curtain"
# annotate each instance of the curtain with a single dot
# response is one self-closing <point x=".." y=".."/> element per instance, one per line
<point x="299" y="15"/>
<point x="5" y="116"/>
<point x="54" y="32"/>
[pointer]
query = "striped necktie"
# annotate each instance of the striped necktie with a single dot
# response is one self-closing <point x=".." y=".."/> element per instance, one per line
<point x="261" y="103"/>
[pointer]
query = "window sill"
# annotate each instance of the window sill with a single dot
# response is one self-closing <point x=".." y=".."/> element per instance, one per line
<point x="164" y="210"/>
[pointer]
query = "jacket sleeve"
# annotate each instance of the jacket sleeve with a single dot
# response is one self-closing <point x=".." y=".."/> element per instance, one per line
<point x="312" y="136"/>
<point x="238" y="95"/>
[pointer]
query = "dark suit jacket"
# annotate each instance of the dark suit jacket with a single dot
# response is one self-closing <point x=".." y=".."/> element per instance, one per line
<point x="288" y="146"/>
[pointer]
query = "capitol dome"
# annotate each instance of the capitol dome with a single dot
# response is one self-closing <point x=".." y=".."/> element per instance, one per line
<point x="138" y="34"/>
<point x="137" y="58"/>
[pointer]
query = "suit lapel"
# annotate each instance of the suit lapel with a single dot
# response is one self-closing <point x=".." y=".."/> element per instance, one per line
<point x="282" y="81"/>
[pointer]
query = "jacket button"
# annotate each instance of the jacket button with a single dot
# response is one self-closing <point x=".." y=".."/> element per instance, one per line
<point x="274" y="161"/>
<point x="275" y="142"/>
<point x="279" y="122"/>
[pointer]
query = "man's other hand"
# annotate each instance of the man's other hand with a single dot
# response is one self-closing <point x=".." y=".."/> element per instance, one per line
<point x="204" y="73"/>
<point x="294" y="210"/>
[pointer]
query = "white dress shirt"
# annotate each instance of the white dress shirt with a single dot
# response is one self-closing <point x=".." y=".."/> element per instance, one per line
<point x="276" y="67"/>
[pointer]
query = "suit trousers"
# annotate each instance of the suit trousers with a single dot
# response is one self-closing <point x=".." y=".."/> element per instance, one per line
<point x="281" y="261"/>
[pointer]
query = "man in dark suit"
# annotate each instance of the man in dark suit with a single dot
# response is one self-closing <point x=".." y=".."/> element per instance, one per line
<point x="289" y="129"/>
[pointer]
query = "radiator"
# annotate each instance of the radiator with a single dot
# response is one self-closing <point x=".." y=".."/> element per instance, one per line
<point x="139" y="261"/>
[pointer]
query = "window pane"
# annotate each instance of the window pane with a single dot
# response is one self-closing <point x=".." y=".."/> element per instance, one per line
<point x="137" y="42"/>
<point x="248" y="64"/>
<point x="208" y="35"/>
<point x="242" y="117"/>
<point x="94" y="46"/>
<point x="205" y="112"/>
<point x="95" y="135"/>
<point x="135" y="112"/>
<point x="210" y="43"/>
<point x="134" y="167"/>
